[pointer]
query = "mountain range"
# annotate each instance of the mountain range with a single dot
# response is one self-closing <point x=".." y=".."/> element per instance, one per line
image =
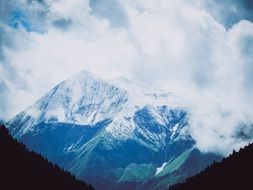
<point x="113" y="134"/>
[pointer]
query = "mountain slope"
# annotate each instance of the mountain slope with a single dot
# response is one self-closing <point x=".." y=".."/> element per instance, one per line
<point x="22" y="169"/>
<point x="234" y="172"/>
<point x="113" y="129"/>
<point x="189" y="163"/>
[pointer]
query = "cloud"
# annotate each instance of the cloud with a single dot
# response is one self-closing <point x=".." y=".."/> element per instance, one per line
<point x="225" y="107"/>
<point x="188" y="48"/>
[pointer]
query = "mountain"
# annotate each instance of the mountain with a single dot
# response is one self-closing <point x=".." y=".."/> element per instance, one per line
<point x="2" y="122"/>
<point x="112" y="133"/>
<point x="187" y="164"/>
<point x="234" y="172"/>
<point x="23" y="169"/>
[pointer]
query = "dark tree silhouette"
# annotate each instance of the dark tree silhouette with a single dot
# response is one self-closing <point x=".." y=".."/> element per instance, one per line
<point x="232" y="173"/>
<point x="25" y="170"/>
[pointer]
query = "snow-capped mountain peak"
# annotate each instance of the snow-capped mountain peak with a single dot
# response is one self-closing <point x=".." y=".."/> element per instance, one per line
<point x="84" y="99"/>
<point x="90" y="126"/>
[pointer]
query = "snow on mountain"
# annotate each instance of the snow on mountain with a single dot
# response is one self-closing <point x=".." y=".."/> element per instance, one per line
<point x="159" y="169"/>
<point x="107" y="131"/>
<point x="85" y="99"/>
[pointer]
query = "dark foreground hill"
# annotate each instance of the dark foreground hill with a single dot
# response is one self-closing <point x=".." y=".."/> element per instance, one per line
<point x="233" y="173"/>
<point x="23" y="169"/>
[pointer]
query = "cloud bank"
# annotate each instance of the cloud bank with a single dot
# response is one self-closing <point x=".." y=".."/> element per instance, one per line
<point x="200" y="50"/>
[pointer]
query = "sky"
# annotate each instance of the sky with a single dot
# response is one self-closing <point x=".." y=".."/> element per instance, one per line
<point x="199" y="49"/>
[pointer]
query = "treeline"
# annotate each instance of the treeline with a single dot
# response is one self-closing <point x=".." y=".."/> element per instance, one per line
<point x="232" y="173"/>
<point x="27" y="170"/>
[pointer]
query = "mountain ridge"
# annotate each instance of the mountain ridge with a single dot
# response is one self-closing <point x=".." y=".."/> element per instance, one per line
<point x="113" y="129"/>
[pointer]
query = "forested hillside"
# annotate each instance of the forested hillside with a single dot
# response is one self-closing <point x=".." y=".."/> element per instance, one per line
<point x="234" y="172"/>
<point x="24" y="169"/>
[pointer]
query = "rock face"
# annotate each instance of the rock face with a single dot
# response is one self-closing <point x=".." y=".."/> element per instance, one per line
<point x="113" y="134"/>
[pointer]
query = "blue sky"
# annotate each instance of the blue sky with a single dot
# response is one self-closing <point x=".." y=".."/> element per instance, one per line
<point x="199" y="49"/>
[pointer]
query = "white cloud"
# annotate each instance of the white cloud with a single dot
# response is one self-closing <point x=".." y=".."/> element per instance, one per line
<point x="172" y="45"/>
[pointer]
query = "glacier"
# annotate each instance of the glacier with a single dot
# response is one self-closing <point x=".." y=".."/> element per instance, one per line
<point x="112" y="133"/>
